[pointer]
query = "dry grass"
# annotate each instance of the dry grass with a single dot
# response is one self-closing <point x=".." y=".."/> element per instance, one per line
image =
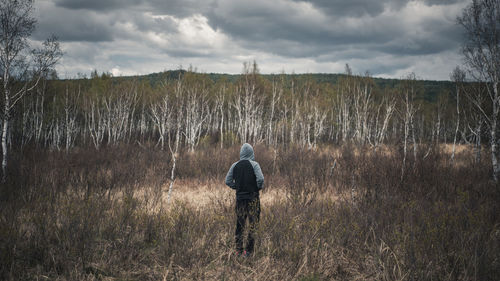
<point x="105" y="216"/>
<point x="459" y="148"/>
<point x="200" y="196"/>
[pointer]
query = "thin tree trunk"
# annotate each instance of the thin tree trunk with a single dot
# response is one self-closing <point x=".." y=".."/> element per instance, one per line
<point x="4" y="135"/>
<point x="493" y="132"/>
<point x="174" y="152"/>
<point x="414" y="141"/>
<point x="174" y="162"/>
<point x="478" y="141"/>
<point x="456" y="128"/>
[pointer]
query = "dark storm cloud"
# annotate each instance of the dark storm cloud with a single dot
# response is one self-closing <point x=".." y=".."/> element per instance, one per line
<point x="75" y="28"/>
<point x="380" y="36"/>
<point x="438" y="37"/>
<point x="72" y="25"/>
<point x="442" y="2"/>
<point x="180" y="8"/>
<point x="348" y="8"/>
<point x="351" y="24"/>
<point x="96" y="5"/>
<point x="264" y="24"/>
<point x="141" y="23"/>
<point x="356" y="8"/>
<point x="268" y="26"/>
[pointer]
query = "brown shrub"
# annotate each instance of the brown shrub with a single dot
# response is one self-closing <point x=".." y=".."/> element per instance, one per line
<point x="90" y="215"/>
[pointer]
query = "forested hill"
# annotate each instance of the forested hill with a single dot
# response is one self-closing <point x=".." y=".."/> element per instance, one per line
<point x="429" y="89"/>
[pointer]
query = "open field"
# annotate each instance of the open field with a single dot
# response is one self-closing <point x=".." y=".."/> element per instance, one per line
<point x="104" y="215"/>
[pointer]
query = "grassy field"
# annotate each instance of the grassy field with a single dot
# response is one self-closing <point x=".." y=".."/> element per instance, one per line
<point x="104" y="215"/>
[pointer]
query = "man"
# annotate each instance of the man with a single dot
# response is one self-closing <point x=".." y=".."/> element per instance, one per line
<point x="245" y="176"/>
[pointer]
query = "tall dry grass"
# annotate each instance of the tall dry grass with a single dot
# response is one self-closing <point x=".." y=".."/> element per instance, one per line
<point x="90" y="215"/>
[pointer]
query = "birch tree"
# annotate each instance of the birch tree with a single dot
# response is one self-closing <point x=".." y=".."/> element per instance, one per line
<point x="345" y="104"/>
<point x="277" y="92"/>
<point x="458" y="76"/>
<point x="319" y="116"/>
<point x="96" y="122"/>
<point x="481" y="50"/>
<point x="362" y="106"/>
<point x="248" y="103"/>
<point x="196" y="109"/>
<point x="70" y="115"/>
<point x="18" y="61"/>
<point x="120" y="107"/>
<point x="174" y="151"/>
<point x="33" y="115"/>
<point x="475" y="94"/>
<point x="161" y="112"/>
<point x="407" y="114"/>
<point x="220" y="108"/>
<point x="389" y="104"/>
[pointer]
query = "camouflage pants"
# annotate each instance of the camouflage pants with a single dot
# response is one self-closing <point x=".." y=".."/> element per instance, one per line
<point x="246" y="209"/>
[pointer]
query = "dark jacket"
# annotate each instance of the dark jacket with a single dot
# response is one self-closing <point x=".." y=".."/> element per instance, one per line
<point x="245" y="176"/>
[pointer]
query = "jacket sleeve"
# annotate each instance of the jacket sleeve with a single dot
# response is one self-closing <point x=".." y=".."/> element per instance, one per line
<point x="229" y="177"/>
<point x="259" y="177"/>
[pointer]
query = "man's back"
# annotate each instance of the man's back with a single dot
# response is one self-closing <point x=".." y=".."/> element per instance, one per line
<point x="245" y="180"/>
<point x="245" y="175"/>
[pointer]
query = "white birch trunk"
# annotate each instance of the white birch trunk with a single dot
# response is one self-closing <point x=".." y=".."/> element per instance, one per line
<point x="5" y="127"/>
<point x="494" y="134"/>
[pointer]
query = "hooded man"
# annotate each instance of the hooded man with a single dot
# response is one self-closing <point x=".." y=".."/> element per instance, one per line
<point x="245" y="176"/>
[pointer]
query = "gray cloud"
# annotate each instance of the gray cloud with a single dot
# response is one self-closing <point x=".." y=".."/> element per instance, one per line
<point x="96" y="5"/>
<point x="352" y="8"/>
<point x="78" y="29"/>
<point x="71" y="25"/>
<point x="333" y="26"/>
<point x="441" y="2"/>
<point x="384" y="37"/>
<point x="179" y="8"/>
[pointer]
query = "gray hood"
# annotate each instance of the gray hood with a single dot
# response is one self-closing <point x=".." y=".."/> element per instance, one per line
<point x="246" y="152"/>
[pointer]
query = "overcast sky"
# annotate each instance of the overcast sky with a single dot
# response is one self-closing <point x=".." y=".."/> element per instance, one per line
<point x="388" y="38"/>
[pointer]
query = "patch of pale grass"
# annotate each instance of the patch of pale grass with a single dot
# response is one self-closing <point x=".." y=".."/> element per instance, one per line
<point x="206" y="195"/>
<point x="459" y="148"/>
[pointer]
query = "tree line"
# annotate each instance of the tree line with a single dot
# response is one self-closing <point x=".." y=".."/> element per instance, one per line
<point x="277" y="110"/>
